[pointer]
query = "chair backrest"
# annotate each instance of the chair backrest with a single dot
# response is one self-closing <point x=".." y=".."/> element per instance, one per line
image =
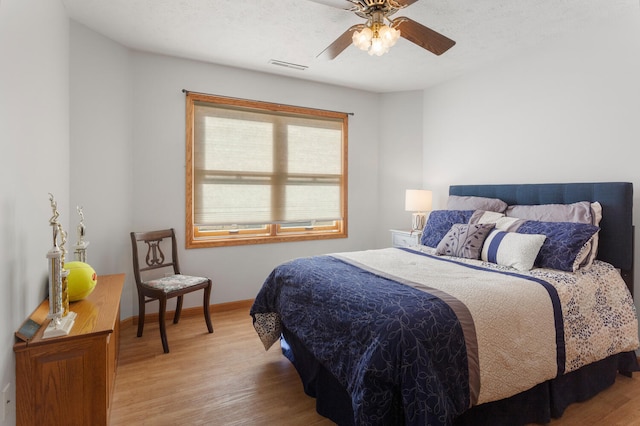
<point x="159" y="249"/>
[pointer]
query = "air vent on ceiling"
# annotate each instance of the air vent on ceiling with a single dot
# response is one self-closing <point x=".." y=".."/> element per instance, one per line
<point x="288" y="65"/>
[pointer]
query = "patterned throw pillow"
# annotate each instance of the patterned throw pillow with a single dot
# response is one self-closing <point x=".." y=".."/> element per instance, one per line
<point x="440" y="222"/>
<point x="464" y="240"/>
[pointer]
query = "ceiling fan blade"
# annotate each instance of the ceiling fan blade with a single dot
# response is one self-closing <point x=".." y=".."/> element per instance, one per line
<point x="341" y="43"/>
<point x="422" y="36"/>
<point x="340" y="4"/>
<point x="405" y="3"/>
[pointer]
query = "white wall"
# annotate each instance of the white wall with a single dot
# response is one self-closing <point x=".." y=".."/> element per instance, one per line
<point x="400" y="165"/>
<point x="159" y="156"/>
<point x="564" y="112"/>
<point x="34" y="136"/>
<point x="101" y="155"/>
<point x="568" y="111"/>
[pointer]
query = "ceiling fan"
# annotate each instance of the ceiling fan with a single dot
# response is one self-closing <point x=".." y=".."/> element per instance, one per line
<point x="380" y="32"/>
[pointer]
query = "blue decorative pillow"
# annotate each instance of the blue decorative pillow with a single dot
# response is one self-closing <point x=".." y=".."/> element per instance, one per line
<point x="440" y="222"/>
<point x="564" y="242"/>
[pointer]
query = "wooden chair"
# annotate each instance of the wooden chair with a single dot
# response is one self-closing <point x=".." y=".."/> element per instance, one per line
<point x="172" y="284"/>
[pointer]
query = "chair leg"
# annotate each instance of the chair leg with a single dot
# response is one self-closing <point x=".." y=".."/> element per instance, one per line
<point x="207" y="314"/>
<point x="141" y="314"/>
<point x="176" y="316"/>
<point x="163" y="329"/>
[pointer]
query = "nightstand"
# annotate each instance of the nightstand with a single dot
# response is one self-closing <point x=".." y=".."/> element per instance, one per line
<point x="404" y="238"/>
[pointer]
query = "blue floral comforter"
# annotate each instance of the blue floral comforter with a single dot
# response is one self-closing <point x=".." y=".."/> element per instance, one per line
<point x="376" y="336"/>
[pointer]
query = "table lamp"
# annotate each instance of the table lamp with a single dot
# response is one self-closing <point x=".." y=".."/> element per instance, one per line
<point x="417" y="201"/>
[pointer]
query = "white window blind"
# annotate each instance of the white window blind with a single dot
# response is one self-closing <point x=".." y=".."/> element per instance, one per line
<point x="263" y="167"/>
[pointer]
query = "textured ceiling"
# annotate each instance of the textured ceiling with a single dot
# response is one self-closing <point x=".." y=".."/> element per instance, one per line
<point x="250" y="33"/>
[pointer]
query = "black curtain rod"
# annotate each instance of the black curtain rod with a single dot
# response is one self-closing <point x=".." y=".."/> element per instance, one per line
<point x="186" y="92"/>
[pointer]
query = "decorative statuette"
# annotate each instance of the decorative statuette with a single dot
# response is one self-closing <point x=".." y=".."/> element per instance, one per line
<point x="61" y="319"/>
<point x="81" y="244"/>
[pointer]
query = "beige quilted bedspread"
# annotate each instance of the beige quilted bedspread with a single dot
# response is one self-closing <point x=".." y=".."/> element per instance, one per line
<point x="513" y="316"/>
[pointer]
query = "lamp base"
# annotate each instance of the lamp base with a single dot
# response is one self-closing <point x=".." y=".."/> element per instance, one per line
<point x="418" y="220"/>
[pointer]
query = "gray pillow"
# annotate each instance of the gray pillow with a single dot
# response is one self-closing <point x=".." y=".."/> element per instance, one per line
<point x="459" y="202"/>
<point x="579" y="212"/>
<point x="464" y="240"/>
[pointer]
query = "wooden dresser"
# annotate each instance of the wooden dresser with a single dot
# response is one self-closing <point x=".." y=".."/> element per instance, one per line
<point x="70" y="379"/>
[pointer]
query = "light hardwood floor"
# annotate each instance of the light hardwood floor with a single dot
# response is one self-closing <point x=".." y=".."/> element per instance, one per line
<point x="227" y="378"/>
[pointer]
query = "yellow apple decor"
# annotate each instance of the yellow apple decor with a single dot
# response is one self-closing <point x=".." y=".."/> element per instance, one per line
<point x="81" y="281"/>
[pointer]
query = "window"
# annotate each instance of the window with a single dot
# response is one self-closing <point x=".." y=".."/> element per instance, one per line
<point x="259" y="172"/>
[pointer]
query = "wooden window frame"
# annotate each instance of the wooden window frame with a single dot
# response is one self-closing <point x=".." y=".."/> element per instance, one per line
<point x="268" y="233"/>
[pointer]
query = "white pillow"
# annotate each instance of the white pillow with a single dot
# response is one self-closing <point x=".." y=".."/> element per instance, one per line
<point x="518" y="251"/>
<point x="480" y="216"/>
<point x="509" y="224"/>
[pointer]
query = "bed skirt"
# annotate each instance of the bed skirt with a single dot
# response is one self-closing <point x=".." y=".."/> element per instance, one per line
<point x="537" y="405"/>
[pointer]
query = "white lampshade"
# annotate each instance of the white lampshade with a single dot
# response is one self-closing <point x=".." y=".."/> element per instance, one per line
<point x="417" y="200"/>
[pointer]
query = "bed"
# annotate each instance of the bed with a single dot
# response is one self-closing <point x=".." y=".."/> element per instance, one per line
<point x="436" y="334"/>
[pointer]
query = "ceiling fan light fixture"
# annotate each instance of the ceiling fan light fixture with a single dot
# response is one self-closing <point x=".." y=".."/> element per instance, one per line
<point x="376" y="40"/>
<point x="389" y="35"/>
<point x="362" y="39"/>
<point x="377" y="47"/>
<point x="380" y="26"/>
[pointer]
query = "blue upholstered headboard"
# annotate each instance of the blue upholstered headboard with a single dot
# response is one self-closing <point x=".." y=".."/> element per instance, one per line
<point x="616" y="198"/>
